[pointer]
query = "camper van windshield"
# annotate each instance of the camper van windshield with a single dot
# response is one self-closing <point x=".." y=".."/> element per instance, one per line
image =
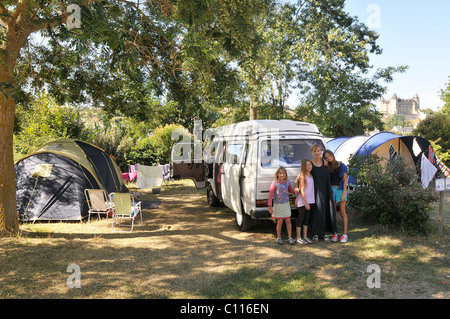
<point x="286" y="153"/>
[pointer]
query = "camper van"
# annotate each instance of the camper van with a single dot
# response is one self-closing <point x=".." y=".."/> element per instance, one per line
<point x="238" y="164"/>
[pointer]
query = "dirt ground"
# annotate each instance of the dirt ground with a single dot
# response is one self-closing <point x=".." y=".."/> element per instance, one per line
<point x="186" y="249"/>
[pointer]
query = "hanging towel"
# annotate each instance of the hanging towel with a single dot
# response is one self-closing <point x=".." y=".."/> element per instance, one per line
<point x="133" y="172"/>
<point x="431" y="155"/>
<point x="428" y="171"/>
<point x="148" y="176"/>
<point x="166" y="171"/>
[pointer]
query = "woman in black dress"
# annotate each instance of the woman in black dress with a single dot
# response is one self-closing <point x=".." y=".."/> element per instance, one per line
<point x="323" y="214"/>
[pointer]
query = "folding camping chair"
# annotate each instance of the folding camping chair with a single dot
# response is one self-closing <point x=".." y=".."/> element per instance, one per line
<point x="125" y="208"/>
<point x="98" y="203"/>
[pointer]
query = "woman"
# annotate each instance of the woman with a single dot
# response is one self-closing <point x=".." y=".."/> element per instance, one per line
<point x="323" y="214"/>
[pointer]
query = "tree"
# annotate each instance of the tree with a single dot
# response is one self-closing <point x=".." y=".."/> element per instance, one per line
<point x="18" y="21"/>
<point x="341" y="105"/>
<point x="336" y="91"/>
<point x="124" y="56"/>
<point x="436" y="128"/>
<point x="315" y="45"/>
<point x="232" y="42"/>
<point x="79" y="64"/>
<point x="120" y="59"/>
<point x="445" y="97"/>
<point x="394" y="120"/>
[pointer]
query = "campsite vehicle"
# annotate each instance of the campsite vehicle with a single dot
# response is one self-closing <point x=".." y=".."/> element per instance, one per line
<point x="239" y="164"/>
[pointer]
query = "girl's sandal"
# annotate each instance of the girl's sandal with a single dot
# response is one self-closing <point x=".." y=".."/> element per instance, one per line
<point x="291" y="241"/>
<point x="280" y="241"/>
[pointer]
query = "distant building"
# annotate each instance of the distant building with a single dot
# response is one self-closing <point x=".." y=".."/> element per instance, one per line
<point x="407" y="130"/>
<point x="409" y="108"/>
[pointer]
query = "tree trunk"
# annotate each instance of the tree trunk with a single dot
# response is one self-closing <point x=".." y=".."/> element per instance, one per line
<point x="18" y="27"/>
<point x="8" y="208"/>
<point x="253" y="109"/>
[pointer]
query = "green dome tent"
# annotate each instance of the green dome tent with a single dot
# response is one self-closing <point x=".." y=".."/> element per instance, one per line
<point x="50" y="182"/>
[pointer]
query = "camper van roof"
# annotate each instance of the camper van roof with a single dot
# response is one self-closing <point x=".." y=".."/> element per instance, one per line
<point x="260" y="126"/>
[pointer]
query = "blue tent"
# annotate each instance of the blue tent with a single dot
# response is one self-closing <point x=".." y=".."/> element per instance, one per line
<point x="382" y="144"/>
<point x="334" y="143"/>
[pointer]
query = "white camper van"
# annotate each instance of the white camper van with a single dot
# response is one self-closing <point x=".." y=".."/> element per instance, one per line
<point x="238" y="165"/>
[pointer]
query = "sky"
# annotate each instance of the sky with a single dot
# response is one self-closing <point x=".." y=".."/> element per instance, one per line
<point x="415" y="33"/>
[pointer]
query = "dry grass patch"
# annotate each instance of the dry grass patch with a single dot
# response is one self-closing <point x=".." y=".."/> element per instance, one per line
<point x="186" y="249"/>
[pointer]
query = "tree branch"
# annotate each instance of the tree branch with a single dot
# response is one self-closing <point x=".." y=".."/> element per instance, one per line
<point x="5" y="15"/>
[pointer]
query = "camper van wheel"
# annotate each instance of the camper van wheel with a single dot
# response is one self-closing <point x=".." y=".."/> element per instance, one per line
<point x="243" y="221"/>
<point x="213" y="201"/>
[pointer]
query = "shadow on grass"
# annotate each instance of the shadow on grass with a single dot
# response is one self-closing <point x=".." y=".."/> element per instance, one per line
<point x="188" y="250"/>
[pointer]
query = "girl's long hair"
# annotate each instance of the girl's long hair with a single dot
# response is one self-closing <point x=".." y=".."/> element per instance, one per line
<point x="281" y="168"/>
<point x="334" y="163"/>
<point x="301" y="178"/>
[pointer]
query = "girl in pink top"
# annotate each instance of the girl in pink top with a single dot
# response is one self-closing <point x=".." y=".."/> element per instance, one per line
<point x="281" y="210"/>
<point x="304" y="187"/>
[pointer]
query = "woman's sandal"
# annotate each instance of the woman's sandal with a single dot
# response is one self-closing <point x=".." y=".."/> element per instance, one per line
<point x="280" y="241"/>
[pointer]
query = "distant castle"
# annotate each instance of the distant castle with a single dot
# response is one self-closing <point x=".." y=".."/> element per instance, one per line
<point x="409" y="108"/>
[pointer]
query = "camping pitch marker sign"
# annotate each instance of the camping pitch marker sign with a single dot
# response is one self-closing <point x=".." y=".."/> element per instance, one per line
<point x="442" y="184"/>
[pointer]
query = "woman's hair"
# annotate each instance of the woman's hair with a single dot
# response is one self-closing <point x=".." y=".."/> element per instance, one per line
<point x="334" y="163"/>
<point x="281" y="168"/>
<point x="316" y="146"/>
<point x="301" y="178"/>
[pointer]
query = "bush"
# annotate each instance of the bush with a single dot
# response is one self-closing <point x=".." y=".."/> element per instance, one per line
<point x="45" y="121"/>
<point x="436" y="128"/>
<point x="155" y="149"/>
<point x="392" y="194"/>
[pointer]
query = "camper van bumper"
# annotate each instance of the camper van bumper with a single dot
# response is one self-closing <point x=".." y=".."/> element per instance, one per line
<point x="260" y="214"/>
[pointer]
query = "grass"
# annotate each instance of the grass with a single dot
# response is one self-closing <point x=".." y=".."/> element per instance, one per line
<point x="188" y="250"/>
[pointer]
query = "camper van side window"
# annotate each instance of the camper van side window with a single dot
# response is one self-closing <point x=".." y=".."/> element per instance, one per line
<point x="233" y="153"/>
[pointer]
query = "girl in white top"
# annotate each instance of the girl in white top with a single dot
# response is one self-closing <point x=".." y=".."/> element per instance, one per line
<point x="304" y="188"/>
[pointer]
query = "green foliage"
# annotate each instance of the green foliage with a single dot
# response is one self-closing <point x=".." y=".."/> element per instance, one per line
<point x="392" y="195"/>
<point x="154" y="149"/>
<point x="166" y="62"/>
<point x="436" y="128"/>
<point x="45" y="121"/>
<point x="127" y="140"/>
<point x="206" y="56"/>
<point x="445" y="97"/>
<point x="395" y="120"/>
<point x="133" y="142"/>
<point x="114" y="139"/>
<point x="336" y="91"/>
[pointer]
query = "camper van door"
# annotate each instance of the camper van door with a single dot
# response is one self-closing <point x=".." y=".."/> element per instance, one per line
<point x="183" y="165"/>
<point x="235" y="152"/>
